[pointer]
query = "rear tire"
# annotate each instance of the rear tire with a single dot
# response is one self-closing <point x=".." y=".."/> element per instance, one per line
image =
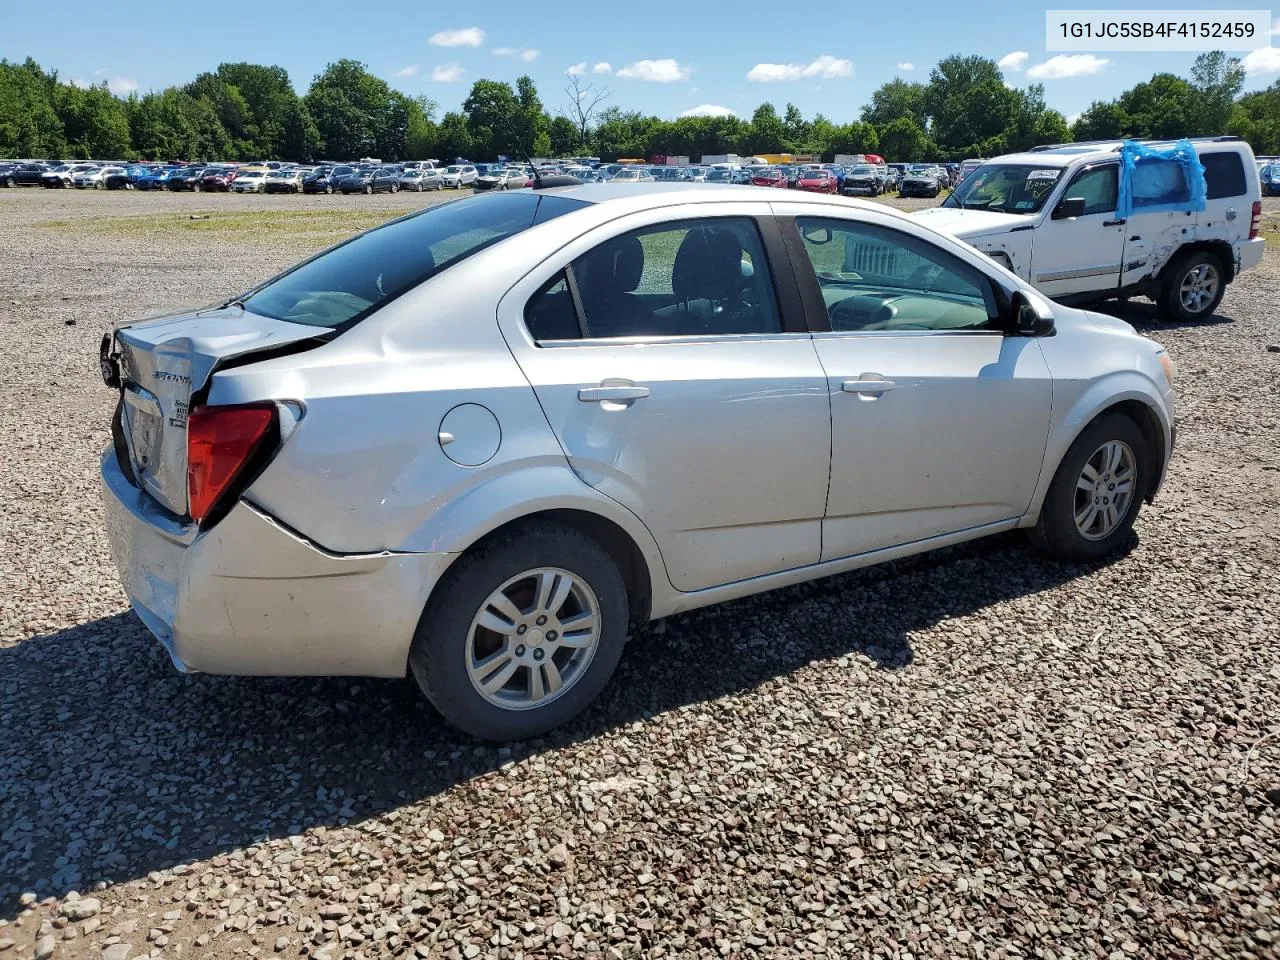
<point x="1193" y="287"/>
<point x="1095" y="496"/>
<point x="451" y="647"/>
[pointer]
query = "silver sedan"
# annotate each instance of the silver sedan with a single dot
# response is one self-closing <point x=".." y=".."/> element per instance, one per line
<point x="480" y="442"/>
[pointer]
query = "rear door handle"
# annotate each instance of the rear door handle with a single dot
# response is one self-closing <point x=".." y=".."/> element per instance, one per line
<point x="601" y="394"/>
<point x="867" y="386"/>
<point x="1114" y="223"/>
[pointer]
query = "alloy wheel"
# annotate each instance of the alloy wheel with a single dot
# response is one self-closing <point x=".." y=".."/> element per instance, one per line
<point x="533" y="638"/>
<point x="1105" y="489"/>
<point x="1199" y="287"/>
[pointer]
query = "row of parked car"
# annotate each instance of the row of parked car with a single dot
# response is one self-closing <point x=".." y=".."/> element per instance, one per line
<point x="376" y="177"/>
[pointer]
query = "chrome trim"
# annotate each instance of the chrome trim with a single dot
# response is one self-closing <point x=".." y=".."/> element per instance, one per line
<point x="1079" y="273"/>
<point x="838" y="334"/>
<point x="648" y="340"/>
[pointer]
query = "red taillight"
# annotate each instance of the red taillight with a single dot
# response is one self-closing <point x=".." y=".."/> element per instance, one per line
<point x="221" y="441"/>
<point x="1256" y="224"/>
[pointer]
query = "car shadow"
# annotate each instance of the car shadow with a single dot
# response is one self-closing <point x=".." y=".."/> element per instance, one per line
<point x="113" y="766"/>
<point x="1145" y="315"/>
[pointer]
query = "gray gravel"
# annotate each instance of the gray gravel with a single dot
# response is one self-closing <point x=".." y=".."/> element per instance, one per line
<point x="972" y="754"/>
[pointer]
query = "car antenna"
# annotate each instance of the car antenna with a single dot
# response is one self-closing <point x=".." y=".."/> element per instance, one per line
<point x="539" y="181"/>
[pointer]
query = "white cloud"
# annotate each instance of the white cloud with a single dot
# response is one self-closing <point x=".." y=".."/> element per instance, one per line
<point x="709" y="110"/>
<point x="826" y="66"/>
<point x="1014" y="61"/>
<point x="602" y="67"/>
<point x="578" y="69"/>
<point x="81" y="83"/>
<point x="1071" y="120"/>
<point x="122" y="86"/>
<point x="655" y="71"/>
<point x="1262" y="60"/>
<point x="906" y="66"/>
<point x="447" y="73"/>
<point x="527" y="55"/>
<point x="466" y="37"/>
<point x="1275" y="28"/>
<point x="101" y="70"/>
<point x="1067" y="65"/>
<point x="409" y="71"/>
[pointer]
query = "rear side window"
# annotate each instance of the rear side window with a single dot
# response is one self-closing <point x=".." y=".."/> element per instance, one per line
<point x="342" y="285"/>
<point x="1223" y="175"/>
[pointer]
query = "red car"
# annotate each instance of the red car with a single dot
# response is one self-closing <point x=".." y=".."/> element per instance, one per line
<point x="218" y="179"/>
<point x="817" y="181"/>
<point x="770" y="177"/>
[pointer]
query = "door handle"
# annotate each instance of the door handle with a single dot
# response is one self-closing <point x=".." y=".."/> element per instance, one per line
<point x="1114" y="223"/>
<point x="602" y="394"/>
<point x="867" y="386"/>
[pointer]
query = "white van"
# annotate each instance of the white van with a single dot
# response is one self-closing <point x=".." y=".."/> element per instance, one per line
<point x="1050" y="216"/>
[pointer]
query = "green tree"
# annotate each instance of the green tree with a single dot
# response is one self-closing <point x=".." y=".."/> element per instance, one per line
<point x="29" y="126"/>
<point x="1163" y="107"/>
<point x="454" y="138"/>
<point x="1217" y="80"/>
<point x="895" y="99"/>
<point x="492" y="110"/>
<point x="795" y="129"/>
<point x="903" y="141"/>
<point x="95" y="122"/>
<point x="357" y="113"/>
<point x="767" y="133"/>
<point x="968" y="104"/>
<point x="1102" y="120"/>
<point x="564" y="136"/>
<point x="856" y="137"/>
<point x="1257" y="118"/>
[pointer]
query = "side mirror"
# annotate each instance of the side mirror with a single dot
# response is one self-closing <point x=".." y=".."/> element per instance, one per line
<point x="1069" y="208"/>
<point x="1028" y="317"/>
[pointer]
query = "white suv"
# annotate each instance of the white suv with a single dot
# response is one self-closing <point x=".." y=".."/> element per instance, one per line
<point x="1050" y="216"/>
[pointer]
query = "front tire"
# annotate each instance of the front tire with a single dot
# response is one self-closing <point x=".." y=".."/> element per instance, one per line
<point x="1193" y="287"/>
<point x="368" y="189"/>
<point x="523" y="633"/>
<point x="1095" y="496"/>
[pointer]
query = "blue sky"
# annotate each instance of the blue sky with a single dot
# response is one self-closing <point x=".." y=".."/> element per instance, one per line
<point x="665" y="58"/>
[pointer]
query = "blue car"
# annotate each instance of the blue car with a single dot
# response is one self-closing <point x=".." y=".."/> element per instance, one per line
<point x="1270" y="177"/>
<point x="156" y="179"/>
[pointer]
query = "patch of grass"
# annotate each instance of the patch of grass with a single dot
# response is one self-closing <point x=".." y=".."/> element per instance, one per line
<point x="238" y="225"/>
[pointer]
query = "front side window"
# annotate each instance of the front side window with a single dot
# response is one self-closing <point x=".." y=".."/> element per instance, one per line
<point x="691" y="278"/>
<point x="873" y="278"/>
<point x="343" y="284"/>
<point x="1098" y="187"/>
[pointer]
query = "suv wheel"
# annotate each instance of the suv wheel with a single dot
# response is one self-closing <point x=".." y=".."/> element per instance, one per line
<point x="522" y="634"/>
<point x="1193" y="287"/>
<point x="1095" y="495"/>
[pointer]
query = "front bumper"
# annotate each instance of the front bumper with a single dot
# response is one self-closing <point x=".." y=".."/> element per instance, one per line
<point x="250" y="597"/>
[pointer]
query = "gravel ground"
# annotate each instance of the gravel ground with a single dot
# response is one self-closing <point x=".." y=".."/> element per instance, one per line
<point x="977" y="753"/>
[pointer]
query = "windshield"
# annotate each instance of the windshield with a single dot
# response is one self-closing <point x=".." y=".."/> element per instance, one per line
<point x="343" y="284"/>
<point x="769" y="173"/>
<point x="251" y="175"/>
<point x="863" y="168"/>
<point x="719" y="175"/>
<point x="813" y="174"/>
<point x="454" y="169"/>
<point x="1006" y="187"/>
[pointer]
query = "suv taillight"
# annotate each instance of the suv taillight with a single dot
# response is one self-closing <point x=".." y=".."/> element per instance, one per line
<point x="1256" y="224"/>
<point x="222" y="442"/>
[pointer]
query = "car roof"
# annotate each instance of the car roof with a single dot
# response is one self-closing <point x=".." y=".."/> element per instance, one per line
<point x="663" y="193"/>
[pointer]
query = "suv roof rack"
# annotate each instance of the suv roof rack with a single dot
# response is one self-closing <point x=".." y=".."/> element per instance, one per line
<point x="1047" y="147"/>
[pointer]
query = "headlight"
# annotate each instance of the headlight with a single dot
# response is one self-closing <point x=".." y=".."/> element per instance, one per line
<point x="1170" y="368"/>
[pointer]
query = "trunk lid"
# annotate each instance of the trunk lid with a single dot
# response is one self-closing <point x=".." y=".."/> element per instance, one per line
<point x="164" y="361"/>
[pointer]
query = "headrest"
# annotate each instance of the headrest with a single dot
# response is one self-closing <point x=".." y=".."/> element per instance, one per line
<point x="613" y="267"/>
<point x="708" y="264"/>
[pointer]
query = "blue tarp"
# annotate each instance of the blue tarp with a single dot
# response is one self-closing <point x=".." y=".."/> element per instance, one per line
<point x="1153" y="179"/>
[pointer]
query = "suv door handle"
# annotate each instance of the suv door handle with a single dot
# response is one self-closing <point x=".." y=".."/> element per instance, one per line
<point x="867" y="386"/>
<point x="601" y="394"/>
<point x="1114" y="223"/>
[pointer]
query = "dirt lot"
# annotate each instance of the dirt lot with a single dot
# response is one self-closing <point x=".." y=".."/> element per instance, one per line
<point x="977" y="753"/>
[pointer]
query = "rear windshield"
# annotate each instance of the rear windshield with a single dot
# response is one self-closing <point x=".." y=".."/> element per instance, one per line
<point x="341" y="286"/>
<point x="1223" y="175"/>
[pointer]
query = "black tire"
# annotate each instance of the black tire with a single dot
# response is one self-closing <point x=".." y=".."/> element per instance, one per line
<point x="1056" y="532"/>
<point x="1171" y="305"/>
<point x="438" y="655"/>
<point x="328" y="188"/>
<point x="10" y="182"/>
<point x="368" y="189"/>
